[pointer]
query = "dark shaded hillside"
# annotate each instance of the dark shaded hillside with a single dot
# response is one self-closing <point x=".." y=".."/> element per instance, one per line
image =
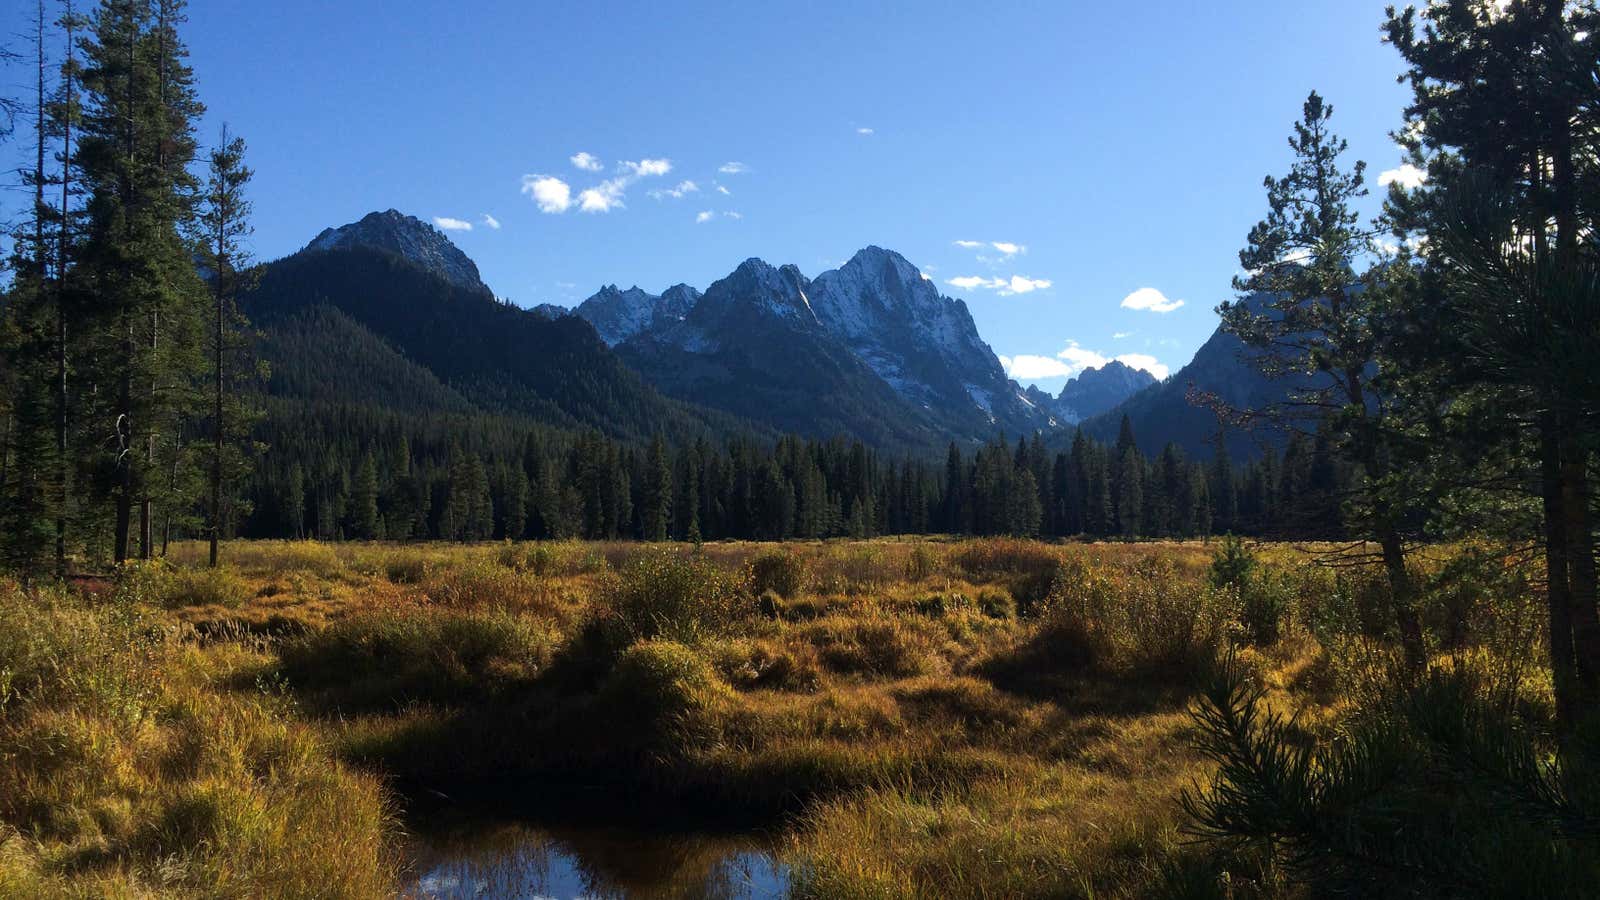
<point x="308" y="345"/>
<point x="498" y="358"/>
<point x="1163" y="413"/>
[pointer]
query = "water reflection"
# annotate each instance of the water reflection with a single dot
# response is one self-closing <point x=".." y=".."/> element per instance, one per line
<point x="523" y="861"/>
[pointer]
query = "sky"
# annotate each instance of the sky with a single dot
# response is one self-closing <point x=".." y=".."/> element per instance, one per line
<point x="1081" y="174"/>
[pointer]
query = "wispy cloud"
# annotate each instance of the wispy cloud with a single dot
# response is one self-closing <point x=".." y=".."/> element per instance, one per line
<point x="969" y="245"/>
<point x="491" y="221"/>
<point x="723" y="191"/>
<point x="448" y="224"/>
<point x="550" y="193"/>
<point x="1072" y="360"/>
<point x="1407" y="176"/>
<point x="1008" y="248"/>
<point x="1121" y="335"/>
<point x="704" y="216"/>
<point x="1151" y="300"/>
<point x="864" y="131"/>
<point x="1016" y="284"/>
<point x="586" y="161"/>
<point x="647" y="167"/>
<point x="733" y="215"/>
<point x="733" y="168"/>
<point x="683" y="188"/>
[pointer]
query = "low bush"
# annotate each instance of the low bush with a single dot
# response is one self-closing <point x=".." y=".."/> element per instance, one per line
<point x="675" y="595"/>
<point x="781" y="571"/>
<point x="997" y="603"/>
<point x="883" y="646"/>
<point x="392" y="658"/>
<point x="665" y="693"/>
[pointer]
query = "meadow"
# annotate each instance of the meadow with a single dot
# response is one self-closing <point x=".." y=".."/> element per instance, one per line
<point x="902" y="717"/>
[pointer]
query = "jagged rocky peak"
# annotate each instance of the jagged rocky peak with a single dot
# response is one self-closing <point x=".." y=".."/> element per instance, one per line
<point x="1094" y="391"/>
<point x="410" y="238"/>
<point x="618" y="315"/>
<point x="757" y="286"/>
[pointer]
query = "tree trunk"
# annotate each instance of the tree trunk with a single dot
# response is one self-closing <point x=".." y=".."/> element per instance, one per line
<point x="1579" y="533"/>
<point x="1558" y="596"/>
<point x="1403" y="599"/>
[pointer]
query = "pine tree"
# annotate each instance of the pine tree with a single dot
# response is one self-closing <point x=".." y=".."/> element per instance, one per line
<point x="364" y="521"/>
<point x="657" y="511"/>
<point x="223" y="226"/>
<point x="1309" y="307"/>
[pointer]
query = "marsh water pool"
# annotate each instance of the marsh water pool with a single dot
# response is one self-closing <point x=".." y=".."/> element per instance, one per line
<point x="460" y="851"/>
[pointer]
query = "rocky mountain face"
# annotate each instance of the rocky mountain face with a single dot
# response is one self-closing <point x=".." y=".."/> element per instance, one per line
<point x="409" y="238"/>
<point x="754" y="346"/>
<point x="1094" y="391"/>
<point x="882" y="355"/>
<point x="925" y="345"/>
<point x="618" y="315"/>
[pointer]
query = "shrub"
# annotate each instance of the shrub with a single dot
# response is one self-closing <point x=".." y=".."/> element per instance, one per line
<point x="684" y="597"/>
<point x="480" y="584"/>
<point x="922" y="563"/>
<point x="997" y="603"/>
<point x="1432" y="789"/>
<point x="994" y="557"/>
<point x="395" y="657"/>
<point x="766" y="664"/>
<point x="1141" y="618"/>
<point x="1264" y="602"/>
<point x="661" y="693"/>
<point x="1233" y="563"/>
<point x="780" y="571"/>
<point x="937" y="604"/>
<point x="884" y="647"/>
<point x="406" y="568"/>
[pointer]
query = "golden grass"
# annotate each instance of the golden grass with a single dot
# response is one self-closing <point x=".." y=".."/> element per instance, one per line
<point x="977" y="718"/>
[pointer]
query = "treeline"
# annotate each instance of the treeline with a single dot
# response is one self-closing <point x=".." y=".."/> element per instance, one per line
<point x="348" y="472"/>
<point x="120" y="348"/>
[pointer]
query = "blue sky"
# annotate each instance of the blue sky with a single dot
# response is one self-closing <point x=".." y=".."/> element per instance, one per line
<point x="1110" y="148"/>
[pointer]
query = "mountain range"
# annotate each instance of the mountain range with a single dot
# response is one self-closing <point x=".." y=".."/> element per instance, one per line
<point x="870" y="350"/>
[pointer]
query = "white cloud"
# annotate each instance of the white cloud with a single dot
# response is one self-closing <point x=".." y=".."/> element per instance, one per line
<point x="1020" y="284"/>
<point x="1121" y="334"/>
<point x="1008" y="248"/>
<point x="1407" y="176"/>
<point x="733" y="215"/>
<point x="1016" y="284"/>
<point x="449" y="224"/>
<point x="1151" y="300"/>
<point x="1079" y="358"/>
<point x="733" y="168"/>
<point x="723" y="191"/>
<point x="491" y="221"/>
<point x="969" y="245"/>
<point x="603" y="197"/>
<point x="551" y="194"/>
<point x="1144" y="361"/>
<point x="864" y="131"/>
<point x="1029" y="368"/>
<point x="586" y="161"/>
<point x="1072" y="360"/>
<point x="703" y="216"/>
<point x="646" y="167"/>
<point x="676" y="193"/>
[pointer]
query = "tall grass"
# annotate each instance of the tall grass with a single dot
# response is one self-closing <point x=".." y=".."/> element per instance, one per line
<point x="126" y="772"/>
